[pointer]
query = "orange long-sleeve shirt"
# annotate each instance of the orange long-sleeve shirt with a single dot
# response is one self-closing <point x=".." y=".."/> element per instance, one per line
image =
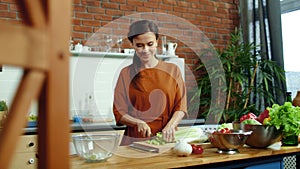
<point x="152" y="97"/>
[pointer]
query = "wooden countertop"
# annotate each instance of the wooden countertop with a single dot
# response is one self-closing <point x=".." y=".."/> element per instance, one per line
<point x="126" y="157"/>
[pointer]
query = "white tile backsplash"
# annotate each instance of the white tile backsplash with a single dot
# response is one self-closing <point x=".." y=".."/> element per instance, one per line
<point x="9" y="81"/>
<point x="96" y="75"/>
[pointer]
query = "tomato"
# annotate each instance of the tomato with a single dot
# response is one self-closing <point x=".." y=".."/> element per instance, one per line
<point x="225" y="130"/>
<point x="263" y="115"/>
<point x="248" y="116"/>
<point x="197" y="149"/>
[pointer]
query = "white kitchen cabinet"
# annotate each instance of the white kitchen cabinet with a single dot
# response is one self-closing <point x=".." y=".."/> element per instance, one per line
<point x="26" y="153"/>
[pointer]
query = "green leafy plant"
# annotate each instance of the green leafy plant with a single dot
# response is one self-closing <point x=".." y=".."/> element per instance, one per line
<point x="3" y="106"/>
<point x="249" y="80"/>
<point x="285" y="117"/>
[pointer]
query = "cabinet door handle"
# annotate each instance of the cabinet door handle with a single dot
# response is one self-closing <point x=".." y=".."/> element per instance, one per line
<point x="31" y="144"/>
<point x="31" y="161"/>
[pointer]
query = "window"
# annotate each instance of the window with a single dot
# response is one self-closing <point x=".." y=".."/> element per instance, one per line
<point x="290" y="37"/>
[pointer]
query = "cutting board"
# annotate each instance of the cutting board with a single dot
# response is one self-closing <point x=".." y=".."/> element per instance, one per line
<point x="144" y="146"/>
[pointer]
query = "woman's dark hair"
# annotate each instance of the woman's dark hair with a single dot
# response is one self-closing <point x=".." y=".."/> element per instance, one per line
<point x="138" y="28"/>
<point x="141" y="27"/>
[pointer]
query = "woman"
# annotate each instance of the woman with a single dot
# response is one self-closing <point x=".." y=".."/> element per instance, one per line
<point x="150" y="95"/>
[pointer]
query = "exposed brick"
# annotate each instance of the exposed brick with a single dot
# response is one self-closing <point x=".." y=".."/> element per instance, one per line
<point x="154" y="0"/>
<point x="143" y="9"/>
<point x="223" y="11"/>
<point x="8" y="1"/>
<point x="180" y="9"/>
<point x="171" y="2"/>
<point x="84" y="15"/>
<point x="76" y="1"/>
<point x="193" y="1"/>
<point x="214" y="19"/>
<point x="202" y="18"/>
<point x="183" y="4"/>
<point x="77" y="35"/>
<point x="3" y="7"/>
<point x="91" y="23"/>
<point x="7" y="14"/>
<point x="76" y="21"/>
<point x="135" y="2"/>
<point x="14" y="7"/>
<point x="127" y="7"/>
<point x="197" y="5"/>
<point x="153" y="5"/>
<point x="109" y="5"/>
<point x="113" y="12"/>
<point x="159" y="10"/>
<point x="119" y="1"/>
<point x="91" y="2"/>
<point x="103" y="17"/>
<point x="179" y="14"/>
<point x="96" y="10"/>
<point x="82" y="28"/>
<point x="166" y="7"/>
<point x="78" y="8"/>
<point x="188" y="15"/>
<point x="194" y="11"/>
<point x="210" y="8"/>
<point x="126" y="13"/>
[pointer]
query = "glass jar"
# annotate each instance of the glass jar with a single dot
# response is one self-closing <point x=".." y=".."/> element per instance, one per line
<point x="290" y="140"/>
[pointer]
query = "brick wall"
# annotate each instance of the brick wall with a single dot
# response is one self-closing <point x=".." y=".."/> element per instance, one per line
<point x="214" y="18"/>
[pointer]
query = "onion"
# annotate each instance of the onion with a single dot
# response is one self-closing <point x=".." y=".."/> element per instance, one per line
<point x="182" y="149"/>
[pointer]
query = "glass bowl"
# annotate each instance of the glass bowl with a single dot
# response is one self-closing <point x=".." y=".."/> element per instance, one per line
<point x="96" y="147"/>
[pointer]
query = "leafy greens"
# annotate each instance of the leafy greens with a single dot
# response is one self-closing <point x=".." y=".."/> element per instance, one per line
<point x="285" y="117"/>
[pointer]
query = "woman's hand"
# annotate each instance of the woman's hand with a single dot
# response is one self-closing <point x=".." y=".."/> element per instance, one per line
<point x="144" y="129"/>
<point x="169" y="133"/>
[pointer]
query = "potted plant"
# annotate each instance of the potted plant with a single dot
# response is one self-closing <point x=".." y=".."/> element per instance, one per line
<point x="3" y="112"/>
<point x="248" y="78"/>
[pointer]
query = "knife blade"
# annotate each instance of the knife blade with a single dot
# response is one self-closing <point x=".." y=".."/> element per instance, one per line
<point x="144" y="147"/>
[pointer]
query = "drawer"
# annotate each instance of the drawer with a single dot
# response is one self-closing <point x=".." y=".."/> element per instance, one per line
<point x="24" y="161"/>
<point x="27" y="143"/>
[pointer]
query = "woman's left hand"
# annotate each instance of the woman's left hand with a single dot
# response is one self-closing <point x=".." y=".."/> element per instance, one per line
<point x="169" y="133"/>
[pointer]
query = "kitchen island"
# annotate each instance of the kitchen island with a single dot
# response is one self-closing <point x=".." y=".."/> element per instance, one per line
<point x="250" y="158"/>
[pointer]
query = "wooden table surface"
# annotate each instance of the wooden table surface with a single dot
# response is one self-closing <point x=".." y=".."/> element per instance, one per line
<point x="126" y="157"/>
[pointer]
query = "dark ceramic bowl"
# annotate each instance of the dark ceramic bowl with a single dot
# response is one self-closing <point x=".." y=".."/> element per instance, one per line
<point x="262" y="135"/>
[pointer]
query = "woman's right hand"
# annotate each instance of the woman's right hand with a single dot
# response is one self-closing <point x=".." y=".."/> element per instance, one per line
<point x="144" y="129"/>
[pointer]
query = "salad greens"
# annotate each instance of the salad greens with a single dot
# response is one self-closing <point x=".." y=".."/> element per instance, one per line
<point x="285" y="117"/>
<point x="225" y="125"/>
<point x="157" y="140"/>
<point x="191" y="134"/>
